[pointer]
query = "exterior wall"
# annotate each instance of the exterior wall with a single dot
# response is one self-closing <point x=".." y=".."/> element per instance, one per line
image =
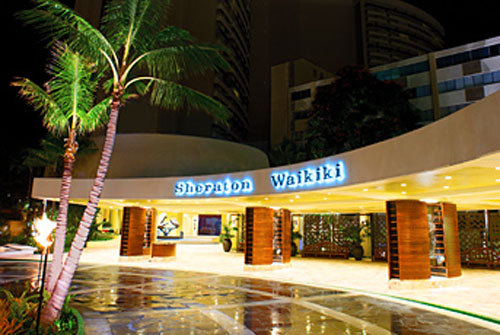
<point x="461" y="76"/>
<point x="157" y="155"/>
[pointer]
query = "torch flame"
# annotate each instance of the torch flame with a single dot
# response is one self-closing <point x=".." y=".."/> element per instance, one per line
<point x="44" y="227"/>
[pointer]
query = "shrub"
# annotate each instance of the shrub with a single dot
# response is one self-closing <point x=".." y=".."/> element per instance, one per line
<point x="18" y="313"/>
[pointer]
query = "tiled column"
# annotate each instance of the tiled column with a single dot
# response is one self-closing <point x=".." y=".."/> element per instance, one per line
<point x="282" y="235"/>
<point x="408" y="240"/>
<point x="259" y="236"/>
<point x="133" y="228"/>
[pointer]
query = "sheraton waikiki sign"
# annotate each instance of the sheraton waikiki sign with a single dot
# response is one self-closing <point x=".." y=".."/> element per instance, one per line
<point x="315" y="176"/>
<point x="327" y="174"/>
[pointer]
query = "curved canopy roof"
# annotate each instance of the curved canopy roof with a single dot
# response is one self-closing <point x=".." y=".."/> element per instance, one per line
<point x="455" y="159"/>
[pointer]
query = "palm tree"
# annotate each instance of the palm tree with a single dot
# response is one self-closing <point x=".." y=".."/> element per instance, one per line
<point x="141" y="55"/>
<point x="67" y="105"/>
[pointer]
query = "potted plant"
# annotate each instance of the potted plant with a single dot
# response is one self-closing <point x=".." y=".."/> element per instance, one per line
<point x="226" y="235"/>
<point x="295" y="236"/>
<point x="355" y="235"/>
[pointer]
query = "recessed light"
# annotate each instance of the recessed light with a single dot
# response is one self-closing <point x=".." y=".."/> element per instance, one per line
<point x="403" y="184"/>
<point x="291" y="200"/>
<point x="497" y="168"/>
<point x="447" y="177"/>
<point x="403" y="192"/>
<point x="297" y="196"/>
<point x="325" y="198"/>
<point x="365" y="190"/>
<point x="266" y="198"/>
<point x="498" y="180"/>
<point x="446" y="187"/>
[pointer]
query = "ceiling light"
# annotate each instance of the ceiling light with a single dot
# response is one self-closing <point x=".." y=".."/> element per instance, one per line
<point x="429" y="201"/>
<point x="291" y="200"/>
<point x="498" y="180"/>
<point x="266" y="198"/>
<point x="403" y="185"/>
<point x="447" y="177"/>
<point x="497" y="168"/>
<point x="365" y="190"/>
<point x="403" y="192"/>
<point x="297" y="196"/>
<point x="325" y="198"/>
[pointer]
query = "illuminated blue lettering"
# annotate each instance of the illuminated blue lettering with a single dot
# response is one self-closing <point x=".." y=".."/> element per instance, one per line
<point x="309" y="177"/>
<point x="189" y="188"/>
<point x="278" y="180"/>
<point x="180" y="189"/>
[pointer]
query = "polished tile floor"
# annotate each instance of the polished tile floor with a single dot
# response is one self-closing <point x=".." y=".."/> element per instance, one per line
<point x="124" y="299"/>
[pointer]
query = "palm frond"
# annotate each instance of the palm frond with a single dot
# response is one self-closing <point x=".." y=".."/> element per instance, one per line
<point x="171" y="35"/>
<point x="179" y="62"/>
<point x="53" y="116"/>
<point x="171" y="95"/>
<point x="95" y="117"/>
<point x="57" y="22"/>
<point x="133" y="22"/>
<point x="73" y="87"/>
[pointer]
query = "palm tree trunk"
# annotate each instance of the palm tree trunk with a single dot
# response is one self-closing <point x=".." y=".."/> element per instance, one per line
<point x="62" y="216"/>
<point x="57" y="258"/>
<point x="56" y="301"/>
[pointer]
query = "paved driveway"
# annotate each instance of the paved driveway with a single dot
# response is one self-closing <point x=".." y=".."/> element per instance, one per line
<point x="123" y="300"/>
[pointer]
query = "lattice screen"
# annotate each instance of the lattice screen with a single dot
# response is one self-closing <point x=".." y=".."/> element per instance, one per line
<point x="344" y="221"/>
<point x="471" y="228"/>
<point x="494" y="227"/>
<point x="327" y="228"/>
<point x="317" y="228"/>
<point x="379" y="236"/>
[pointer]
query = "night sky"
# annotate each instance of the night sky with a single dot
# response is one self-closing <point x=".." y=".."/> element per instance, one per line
<point x="464" y="22"/>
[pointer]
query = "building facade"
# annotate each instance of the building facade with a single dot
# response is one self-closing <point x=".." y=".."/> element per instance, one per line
<point x="445" y="81"/>
<point x="330" y="34"/>
<point x="440" y="83"/>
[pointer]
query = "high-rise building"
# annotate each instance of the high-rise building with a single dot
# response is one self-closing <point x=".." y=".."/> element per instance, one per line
<point x="391" y="30"/>
<point x="330" y="34"/>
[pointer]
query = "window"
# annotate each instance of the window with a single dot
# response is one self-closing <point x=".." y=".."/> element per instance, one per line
<point x="423" y="91"/>
<point x="496" y="76"/>
<point x="461" y="57"/>
<point x="481" y="53"/>
<point x="442" y="87"/>
<point x="495" y="50"/>
<point x="468" y="82"/>
<point x="444" y="62"/>
<point x="301" y="94"/>
<point x="487" y="78"/>
<point x="477" y="80"/>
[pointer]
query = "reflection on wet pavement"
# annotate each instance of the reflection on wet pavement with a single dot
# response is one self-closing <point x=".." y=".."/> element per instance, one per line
<point x="126" y="300"/>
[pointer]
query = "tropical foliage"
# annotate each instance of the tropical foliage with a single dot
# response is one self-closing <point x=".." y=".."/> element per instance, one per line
<point x="354" y="111"/>
<point x="18" y="313"/>
<point x="67" y="105"/>
<point x="140" y="56"/>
